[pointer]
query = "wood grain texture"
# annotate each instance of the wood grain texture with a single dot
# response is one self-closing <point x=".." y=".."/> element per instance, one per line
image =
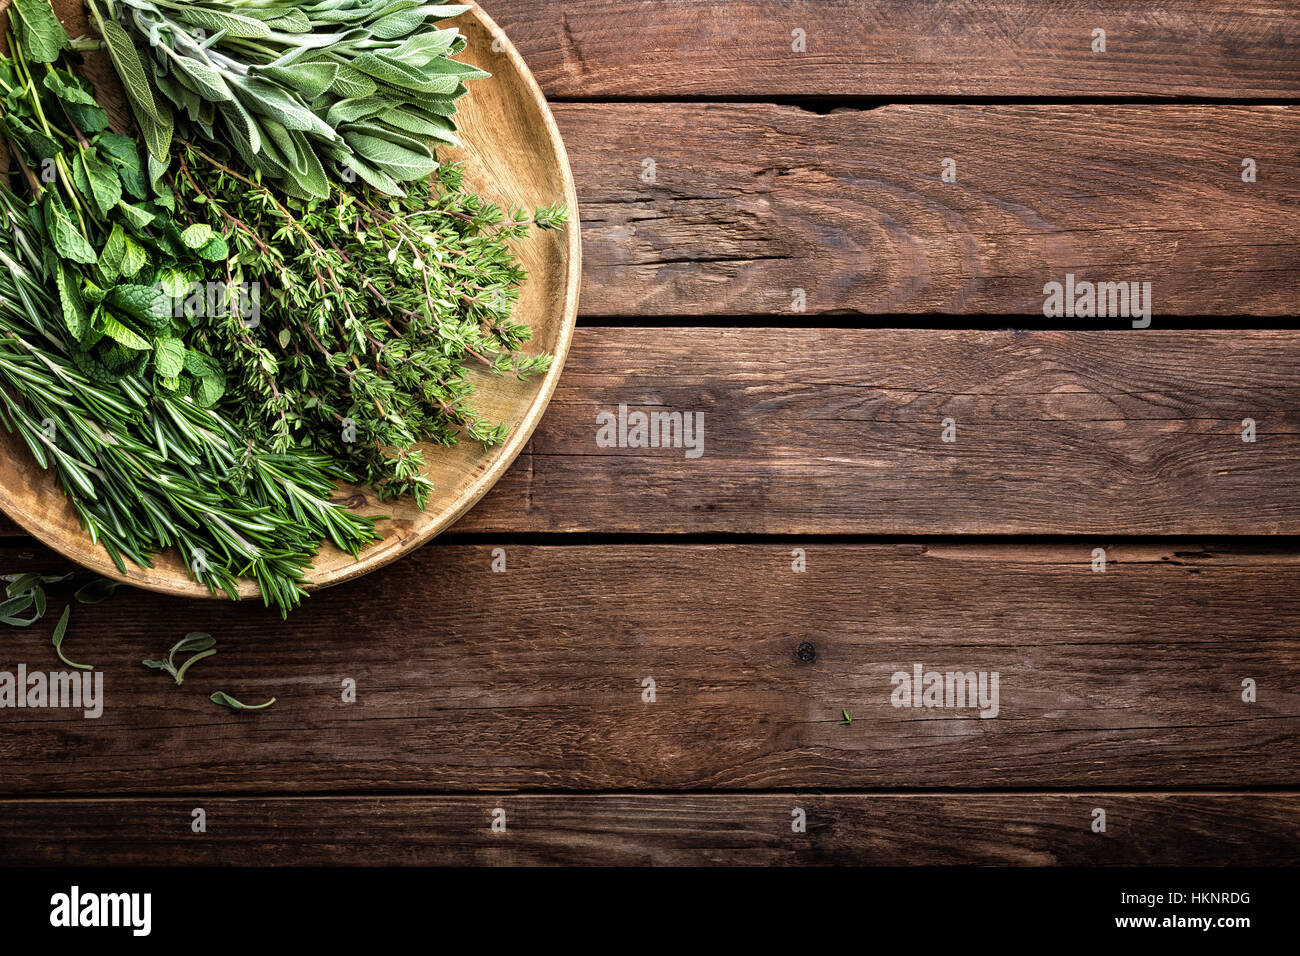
<point x="532" y="679"/>
<point x="752" y="201"/>
<point x="647" y="48"/>
<point x="1034" y="829"/>
<point x="839" y="431"/>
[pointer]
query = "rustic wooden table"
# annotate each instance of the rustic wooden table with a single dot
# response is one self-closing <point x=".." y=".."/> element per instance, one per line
<point x="646" y="655"/>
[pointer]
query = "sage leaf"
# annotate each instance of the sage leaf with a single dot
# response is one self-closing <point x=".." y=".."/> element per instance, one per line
<point x="398" y="161"/>
<point x="231" y="23"/>
<point x="225" y="700"/>
<point x="61" y="630"/>
<point x="153" y="118"/>
<point x="97" y="591"/>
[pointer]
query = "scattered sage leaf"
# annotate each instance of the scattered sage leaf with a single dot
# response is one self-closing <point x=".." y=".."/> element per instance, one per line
<point x="97" y="591"/>
<point x="225" y="700"/>
<point x="60" y="630"/>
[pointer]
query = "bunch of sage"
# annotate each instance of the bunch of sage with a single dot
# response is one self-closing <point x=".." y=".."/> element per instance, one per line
<point x="302" y="92"/>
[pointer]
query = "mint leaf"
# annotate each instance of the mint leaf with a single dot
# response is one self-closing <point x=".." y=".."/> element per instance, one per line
<point x="169" y="357"/>
<point x="75" y="316"/>
<point x="42" y="36"/>
<point x="68" y="242"/>
<point x="197" y="236"/>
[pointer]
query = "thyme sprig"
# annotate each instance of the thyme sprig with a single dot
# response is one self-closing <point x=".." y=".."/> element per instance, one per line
<point x="376" y="312"/>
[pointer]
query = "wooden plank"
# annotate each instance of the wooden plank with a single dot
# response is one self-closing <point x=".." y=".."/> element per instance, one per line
<point x="1034" y="829"/>
<point x="534" y="678"/>
<point x="752" y="201"/>
<point x="840" y="431"/>
<point x="646" y="48"/>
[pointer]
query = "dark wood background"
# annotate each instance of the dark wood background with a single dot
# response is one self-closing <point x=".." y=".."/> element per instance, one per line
<point x="820" y="171"/>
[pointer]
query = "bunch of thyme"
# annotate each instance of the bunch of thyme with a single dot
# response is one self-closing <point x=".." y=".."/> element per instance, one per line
<point x="373" y="311"/>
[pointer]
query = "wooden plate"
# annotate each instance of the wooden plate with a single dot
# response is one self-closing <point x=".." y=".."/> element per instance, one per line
<point x="514" y="156"/>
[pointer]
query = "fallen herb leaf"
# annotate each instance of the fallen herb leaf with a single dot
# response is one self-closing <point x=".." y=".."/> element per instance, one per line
<point x="60" y="630"/>
<point x="97" y="591"/>
<point x="219" y="697"/>
<point x="193" y="641"/>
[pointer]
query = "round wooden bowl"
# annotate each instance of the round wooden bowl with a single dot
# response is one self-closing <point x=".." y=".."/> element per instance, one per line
<point x="513" y="155"/>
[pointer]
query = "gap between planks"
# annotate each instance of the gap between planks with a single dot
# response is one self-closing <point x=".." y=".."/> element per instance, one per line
<point x="1042" y="48"/>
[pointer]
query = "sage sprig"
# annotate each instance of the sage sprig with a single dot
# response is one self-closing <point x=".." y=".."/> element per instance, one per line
<point x="225" y="700"/>
<point x="60" y="631"/>
<point x="24" y="592"/>
<point x="197" y="644"/>
<point x="302" y="92"/>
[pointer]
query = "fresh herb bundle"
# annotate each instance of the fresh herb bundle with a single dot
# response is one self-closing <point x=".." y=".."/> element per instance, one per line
<point x="147" y="471"/>
<point x="112" y="249"/>
<point x="195" y="428"/>
<point x="302" y="91"/>
<point x="374" y="307"/>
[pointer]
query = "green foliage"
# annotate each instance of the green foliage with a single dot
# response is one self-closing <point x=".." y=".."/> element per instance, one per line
<point x="42" y="34"/>
<point x="60" y="631"/>
<point x="149" y="470"/>
<point x="111" y="237"/>
<point x="196" y="643"/>
<point x="376" y="313"/>
<point x="303" y="93"/>
<point x="26" y="592"/>
<point x="173" y="421"/>
<point x="225" y="700"/>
